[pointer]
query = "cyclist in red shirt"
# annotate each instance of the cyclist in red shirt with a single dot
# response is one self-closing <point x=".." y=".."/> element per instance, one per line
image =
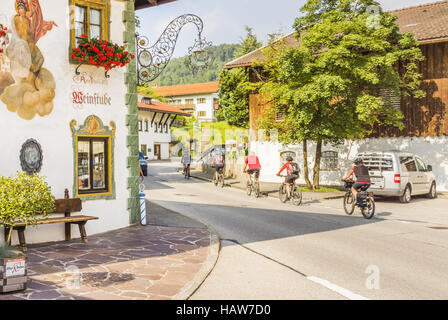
<point x="292" y="173"/>
<point x="253" y="163"/>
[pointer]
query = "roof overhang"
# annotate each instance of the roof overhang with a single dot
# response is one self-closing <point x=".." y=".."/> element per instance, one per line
<point x="142" y="4"/>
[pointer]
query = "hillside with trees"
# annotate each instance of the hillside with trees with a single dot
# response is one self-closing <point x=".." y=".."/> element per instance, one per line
<point x="177" y="72"/>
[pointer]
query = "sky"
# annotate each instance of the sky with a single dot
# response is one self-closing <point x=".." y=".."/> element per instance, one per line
<point x="225" y="20"/>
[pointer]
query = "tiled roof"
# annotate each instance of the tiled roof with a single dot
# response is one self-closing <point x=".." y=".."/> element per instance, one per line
<point x="428" y="22"/>
<point x="187" y="89"/>
<point x="157" y="106"/>
<point x="246" y="60"/>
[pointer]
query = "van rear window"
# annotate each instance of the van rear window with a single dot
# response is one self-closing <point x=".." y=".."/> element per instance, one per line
<point x="378" y="163"/>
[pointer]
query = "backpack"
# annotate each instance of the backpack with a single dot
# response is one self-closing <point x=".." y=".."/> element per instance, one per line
<point x="294" y="168"/>
<point x="219" y="160"/>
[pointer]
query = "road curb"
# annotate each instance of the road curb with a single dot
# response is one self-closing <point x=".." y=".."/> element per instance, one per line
<point x="212" y="258"/>
<point x="270" y="195"/>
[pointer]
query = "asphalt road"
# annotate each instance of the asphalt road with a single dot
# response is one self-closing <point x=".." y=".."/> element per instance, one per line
<point x="272" y="250"/>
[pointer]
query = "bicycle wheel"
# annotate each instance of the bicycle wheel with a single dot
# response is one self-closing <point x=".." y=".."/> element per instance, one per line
<point x="349" y="203"/>
<point x="257" y="190"/>
<point x="297" y="196"/>
<point x="369" y="211"/>
<point x="248" y="188"/>
<point x="282" y="193"/>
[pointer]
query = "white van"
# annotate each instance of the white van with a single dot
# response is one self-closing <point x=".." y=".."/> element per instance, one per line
<point x="397" y="173"/>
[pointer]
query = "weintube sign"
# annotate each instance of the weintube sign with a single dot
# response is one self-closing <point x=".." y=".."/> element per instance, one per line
<point x="81" y="98"/>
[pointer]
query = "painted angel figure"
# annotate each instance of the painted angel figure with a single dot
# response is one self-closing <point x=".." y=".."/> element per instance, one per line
<point x="27" y="27"/>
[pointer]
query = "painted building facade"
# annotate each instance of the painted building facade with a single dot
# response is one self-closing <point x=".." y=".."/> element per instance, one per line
<point x="198" y="99"/>
<point x="155" y="120"/>
<point x="425" y="130"/>
<point x="84" y="121"/>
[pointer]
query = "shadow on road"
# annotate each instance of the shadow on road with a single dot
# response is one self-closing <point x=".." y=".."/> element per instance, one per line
<point x="258" y="224"/>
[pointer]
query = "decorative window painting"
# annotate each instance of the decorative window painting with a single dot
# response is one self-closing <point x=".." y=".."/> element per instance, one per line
<point x="26" y="87"/>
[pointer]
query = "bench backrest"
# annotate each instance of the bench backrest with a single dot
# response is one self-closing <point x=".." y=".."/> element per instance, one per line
<point x="67" y="205"/>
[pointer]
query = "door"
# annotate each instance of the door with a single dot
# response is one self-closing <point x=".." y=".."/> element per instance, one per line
<point x="157" y="152"/>
<point x="409" y="165"/>
<point x="423" y="176"/>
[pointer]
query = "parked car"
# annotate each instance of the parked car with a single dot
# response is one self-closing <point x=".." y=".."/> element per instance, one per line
<point x="143" y="163"/>
<point x="401" y="174"/>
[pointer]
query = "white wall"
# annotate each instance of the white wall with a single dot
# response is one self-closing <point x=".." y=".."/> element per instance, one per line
<point x="207" y="106"/>
<point x="150" y="137"/>
<point x="433" y="150"/>
<point x="53" y="131"/>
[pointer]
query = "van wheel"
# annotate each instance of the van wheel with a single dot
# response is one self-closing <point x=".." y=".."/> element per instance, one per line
<point x="406" y="196"/>
<point x="432" y="192"/>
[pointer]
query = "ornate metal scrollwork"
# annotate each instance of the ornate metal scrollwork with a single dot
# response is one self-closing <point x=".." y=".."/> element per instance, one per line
<point x="152" y="60"/>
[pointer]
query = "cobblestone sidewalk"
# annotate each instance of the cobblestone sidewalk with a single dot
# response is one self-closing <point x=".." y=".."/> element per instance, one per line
<point x="152" y="262"/>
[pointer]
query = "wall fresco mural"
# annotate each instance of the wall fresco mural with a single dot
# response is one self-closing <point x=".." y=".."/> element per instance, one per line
<point x="26" y="87"/>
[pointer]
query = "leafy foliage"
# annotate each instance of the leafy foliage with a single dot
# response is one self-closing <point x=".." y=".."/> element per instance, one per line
<point x="234" y="86"/>
<point x="23" y="198"/>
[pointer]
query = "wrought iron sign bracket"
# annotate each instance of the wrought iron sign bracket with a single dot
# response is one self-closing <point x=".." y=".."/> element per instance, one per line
<point x="152" y="60"/>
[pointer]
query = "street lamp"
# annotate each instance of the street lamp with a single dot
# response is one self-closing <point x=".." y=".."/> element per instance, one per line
<point x="152" y="60"/>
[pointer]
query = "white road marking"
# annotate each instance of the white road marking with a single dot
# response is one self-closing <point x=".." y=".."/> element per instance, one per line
<point x="344" y="292"/>
<point x="407" y="222"/>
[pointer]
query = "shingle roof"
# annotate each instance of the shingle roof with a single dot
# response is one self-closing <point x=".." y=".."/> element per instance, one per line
<point x="187" y="89"/>
<point x="428" y="22"/>
<point x="157" y="106"/>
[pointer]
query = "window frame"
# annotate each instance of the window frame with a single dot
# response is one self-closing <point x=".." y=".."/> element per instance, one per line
<point x="93" y="127"/>
<point x="201" y="100"/>
<point x="329" y="156"/>
<point x="107" y="177"/>
<point x="103" y="6"/>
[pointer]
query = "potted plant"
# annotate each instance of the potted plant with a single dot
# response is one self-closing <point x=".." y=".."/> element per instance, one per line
<point x="101" y="53"/>
<point x="22" y="199"/>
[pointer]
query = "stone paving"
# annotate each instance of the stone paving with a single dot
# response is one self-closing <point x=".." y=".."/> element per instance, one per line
<point x="137" y="262"/>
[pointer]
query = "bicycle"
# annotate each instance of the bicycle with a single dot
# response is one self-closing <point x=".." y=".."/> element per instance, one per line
<point x="367" y="204"/>
<point x="220" y="181"/>
<point x="187" y="171"/>
<point x="296" y="192"/>
<point x="254" y="187"/>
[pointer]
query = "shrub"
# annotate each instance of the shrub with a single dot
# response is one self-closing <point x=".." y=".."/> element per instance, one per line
<point x="23" y="198"/>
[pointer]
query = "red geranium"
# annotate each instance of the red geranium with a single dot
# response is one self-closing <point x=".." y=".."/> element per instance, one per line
<point x="101" y="53"/>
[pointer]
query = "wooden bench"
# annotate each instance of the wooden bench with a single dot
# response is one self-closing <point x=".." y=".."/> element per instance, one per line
<point x="66" y="206"/>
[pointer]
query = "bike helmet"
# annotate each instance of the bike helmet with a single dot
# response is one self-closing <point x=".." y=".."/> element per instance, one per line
<point x="289" y="158"/>
<point x="358" y="161"/>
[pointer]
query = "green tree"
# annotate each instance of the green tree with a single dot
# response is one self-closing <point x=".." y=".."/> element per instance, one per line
<point x="233" y="86"/>
<point x="332" y="86"/>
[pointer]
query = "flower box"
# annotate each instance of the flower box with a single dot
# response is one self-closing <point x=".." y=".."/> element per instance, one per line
<point x="101" y="53"/>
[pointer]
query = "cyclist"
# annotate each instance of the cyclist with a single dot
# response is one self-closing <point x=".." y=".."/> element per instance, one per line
<point x="292" y="173"/>
<point x="362" y="177"/>
<point x="186" y="159"/>
<point x="253" y="164"/>
<point x="218" y="162"/>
